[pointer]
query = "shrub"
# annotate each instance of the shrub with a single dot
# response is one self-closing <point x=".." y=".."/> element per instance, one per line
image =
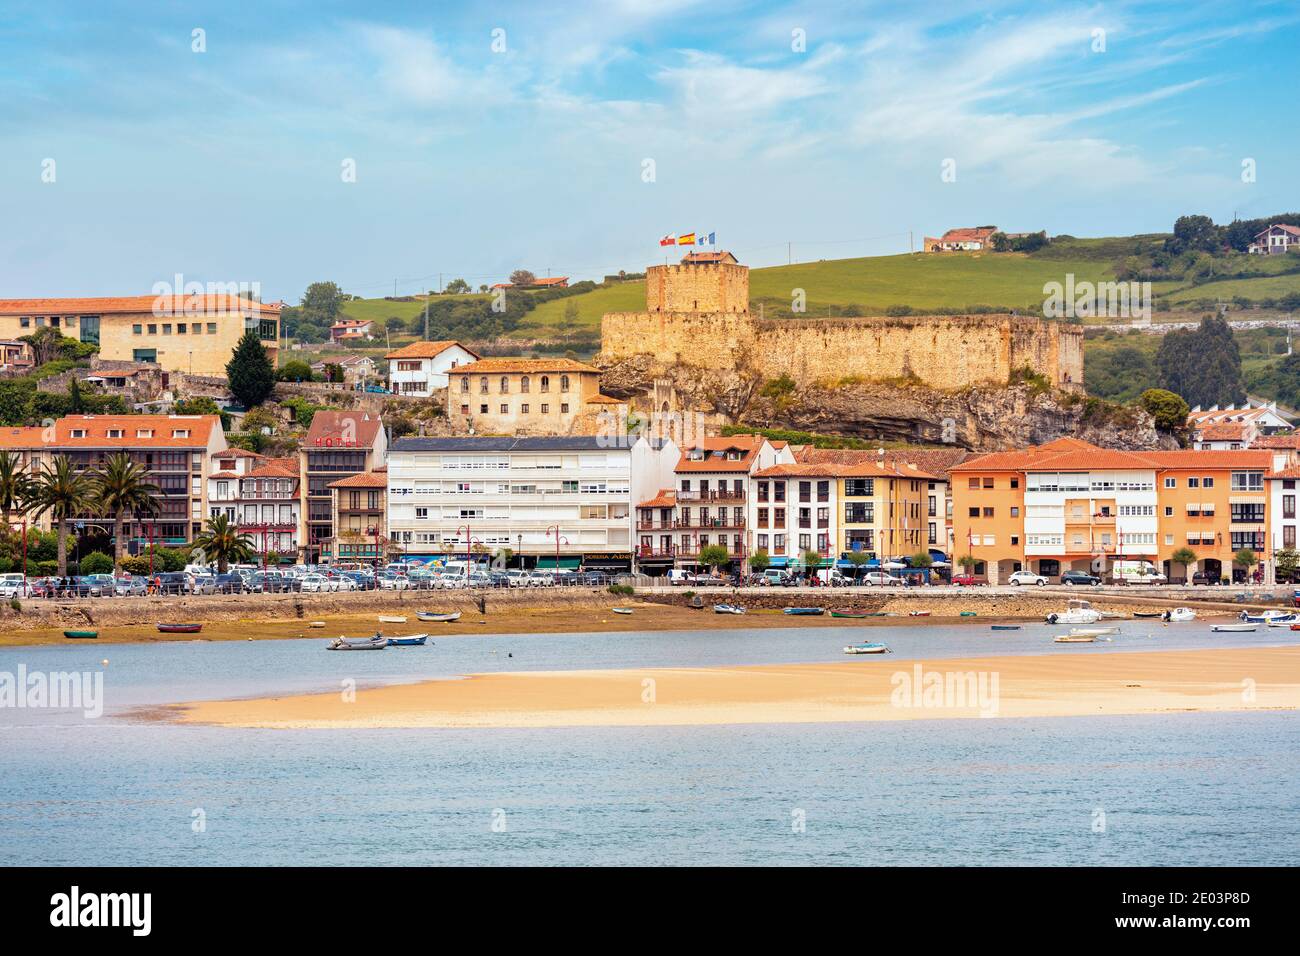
<point x="623" y="590"/>
<point x="96" y="563"/>
<point x="16" y="604"/>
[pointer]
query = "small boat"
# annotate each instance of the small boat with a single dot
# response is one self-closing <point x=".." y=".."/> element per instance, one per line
<point x="728" y="609"/>
<point x="1295" y="627"/>
<point x="80" y="635"/>
<point x="1283" y="621"/>
<point x="377" y="643"/>
<point x="1179" y="615"/>
<point x="1264" y="617"/>
<point x="621" y="610"/>
<point x="1093" y="631"/>
<point x="316" y="624"/>
<point x="968" y="614"/>
<point x="1149" y="613"/>
<point x="846" y="612"/>
<point x="1004" y="627"/>
<point x="1076" y="612"/>
<point x="804" y="610"/>
<point x="180" y="628"/>
<point x="867" y="649"/>
<point x="432" y="616"/>
<point x="391" y="619"/>
<point x="1075" y="639"/>
<point x="918" y="613"/>
<point x="1235" y="628"/>
<point x="410" y="640"/>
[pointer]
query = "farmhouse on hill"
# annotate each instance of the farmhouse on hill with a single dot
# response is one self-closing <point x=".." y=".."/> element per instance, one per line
<point x="1276" y="239"/>
<point x="978" y="239"/>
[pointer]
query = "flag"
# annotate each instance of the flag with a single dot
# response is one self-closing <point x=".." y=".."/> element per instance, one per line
<point x="686" y="239"/>
<point x="668" y="240"/>
<point x="707" y="239"/>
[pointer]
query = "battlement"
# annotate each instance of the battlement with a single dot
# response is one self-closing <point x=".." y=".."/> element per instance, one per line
<point x="711" y="282"/>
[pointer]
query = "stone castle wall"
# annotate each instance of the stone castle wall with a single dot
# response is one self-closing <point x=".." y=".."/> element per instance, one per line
<point x="698" y="287"/>
<point x="943" y="351"/>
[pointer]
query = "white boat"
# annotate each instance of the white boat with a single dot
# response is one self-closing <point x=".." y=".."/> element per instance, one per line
<point x="434" y="616"/>
<point x="1235" y="628"/>
<point x="1075" y="639"/>
<point x="621" y="610"/>
<point x="728" y="609"/>
<point x="1076" y="612"/>
<point x="868" y="648"/>
<point x="1093" y="631"/>
<point x="1265" y="617"/>
<point x="391" y="619"/>
<point x="1283" y="621"/>
<point x="1179" y="615"/>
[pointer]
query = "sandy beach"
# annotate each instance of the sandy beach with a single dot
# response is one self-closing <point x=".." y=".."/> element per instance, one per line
<point x="859" y="689"/>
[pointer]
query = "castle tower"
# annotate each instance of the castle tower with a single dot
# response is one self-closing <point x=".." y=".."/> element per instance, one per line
<point x="712" y="282"/>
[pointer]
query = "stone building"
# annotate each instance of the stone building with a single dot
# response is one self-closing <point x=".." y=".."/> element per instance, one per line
<point x="697" y="314"/>
<point x="518" y="396"/>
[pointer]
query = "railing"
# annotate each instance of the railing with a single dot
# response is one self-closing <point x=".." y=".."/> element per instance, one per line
<point x="687" y="525"/>
<point x="711" y="495"/>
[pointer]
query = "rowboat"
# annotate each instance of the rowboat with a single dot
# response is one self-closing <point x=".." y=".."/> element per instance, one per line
<point x="180" y="628"/>
<point x="621" y="610"/>
<point x="316" y="624"/>
<point x="80" y="635"/>
<point x="867" y="649"/>
<point x="1283" y="621"/>
<point x="968" y="614"/>
<point x="728" y="609"/>
<point x="804" y="610"/>
<point x="1004" y="627"/>
<point x="391" y="619"/>
<point x="1075" y="639"/>
<point x="918" y="613"/>
<point x="410" y="640"/>
<point x="1179" y="615"/>
<point x="1076" y="612"/>
<point x="1235" y="628"/>
<point x="1093" y="631"/>
<point x="432" y="616"/>
<point x="377" y="643"/>
<point x="1149" y="613"/>
<point x="846" y="612"/>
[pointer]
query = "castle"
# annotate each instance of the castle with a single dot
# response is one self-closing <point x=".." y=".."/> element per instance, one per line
<point x="697" y="313"/>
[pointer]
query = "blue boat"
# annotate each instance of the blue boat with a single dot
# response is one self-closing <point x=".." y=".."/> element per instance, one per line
<point x="411" y="640"/>
<point x="804" y="610"/>
<point x="1004" y="627"/>
<point x="867" y="648"/>
<point x="1270" y="617"/>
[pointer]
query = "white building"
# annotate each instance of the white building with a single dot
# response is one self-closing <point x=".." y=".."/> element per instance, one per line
<point x="1276" y="239"/>
<point x="260" y="496"/>
<point x="421" y="367"/>
<point x="543" y="498"/>
<point x="1113" y="512"/>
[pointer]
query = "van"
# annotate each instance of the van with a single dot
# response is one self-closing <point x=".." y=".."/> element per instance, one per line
<point x="775" y="577"/>
<point x="1136" y="572"/>
<point x="679" y="576"/>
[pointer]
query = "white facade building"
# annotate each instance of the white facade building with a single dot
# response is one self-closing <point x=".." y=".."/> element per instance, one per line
<point x="1112" y="512"/>
<point x="565" y="497"/>
<point x="260" y="496"/>
<point x="421" y="367"/>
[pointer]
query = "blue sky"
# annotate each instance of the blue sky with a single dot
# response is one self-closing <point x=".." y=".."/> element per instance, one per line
<point x="225" y="165"/>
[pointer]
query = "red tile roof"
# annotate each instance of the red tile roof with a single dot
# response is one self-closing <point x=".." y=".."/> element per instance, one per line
<point x="346" y="429"/>
<point x="367" y="479"/>
<point x="708" y="257"/>
<point x="802" y="469"/>
<point x="163" y="427"/>
<point x="967" y="235"/>
<point x="715" y="451"/>
<point x="490" y="366"/>
<point x="137" y="304"/>
<point x="1093" y="458"/>
<point x="1221" y="431"/>
<point x="666" y="498"/>
<point x="25" y="437"/>
<point x="1280" y="442"/>
<point x="426" y="350"/>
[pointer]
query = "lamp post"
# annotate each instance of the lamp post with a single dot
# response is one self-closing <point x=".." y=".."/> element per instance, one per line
<point x="555" y="530"/>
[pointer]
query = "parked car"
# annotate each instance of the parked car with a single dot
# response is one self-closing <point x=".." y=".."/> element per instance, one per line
<point x="1080" y="579"/>
<point x="201" y="583"/>
<point x="451" y="581"/>
<point x="882" y="579"/>
<point x="544" y="579"/>
<point x="130" y="586"/>
<point x="13" y="585"/>
<point x="678" y="576"/>
<point x="518" y="578"/>
<point x="479" y="579"/>
<point x="313" y="584"/>
<point x="268" y="582"/>
<point x="965" y="579"/>
<point x="229" y="583"/>
<point x="1204" y="577"/>
<point x="1026" y="577"/>
<point x="393" y="582"/>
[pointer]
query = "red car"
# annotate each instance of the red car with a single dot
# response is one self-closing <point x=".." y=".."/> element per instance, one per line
<point x="966" y="580"/>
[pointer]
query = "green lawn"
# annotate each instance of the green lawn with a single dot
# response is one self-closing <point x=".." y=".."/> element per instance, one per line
<point x="377" y="310"/>
<point x="1261" y="287"/>
<point x="548" y="318"/>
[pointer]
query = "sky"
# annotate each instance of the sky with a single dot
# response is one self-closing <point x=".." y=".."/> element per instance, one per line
<point x="389" y="146"/>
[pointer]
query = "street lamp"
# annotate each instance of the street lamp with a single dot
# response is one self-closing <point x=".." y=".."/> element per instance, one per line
<point x="555" y="530"/>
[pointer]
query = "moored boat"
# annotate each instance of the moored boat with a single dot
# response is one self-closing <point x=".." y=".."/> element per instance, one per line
<point x="621" y="610"/>
<point x="1179" y="615"/>
<point x="80" y="635"/>
<point x="180" y="628"/>
<point x="433" y="616"/>
<point x="918" y="613"/>
<point x="1076" y="612"/>
<point x="849" y="612"/>
<point x="316" y="624"/>
<point x="1004" y="627"/>
<point x="376" y="643"/>
<point x="1265" y="617"/>
<point x="1149" y="613"/>
<point x="968" y="614"/>
<point x="1075" y="639"/>
<point x="804" y="610"/>
<point x="867" y="648"/>
<point x="1093" y="631"/>
<point x="728" y="609"/>
<point x="409" y="640"/>
<point x="1235" y="628"/>
<point x="391" y="619"/>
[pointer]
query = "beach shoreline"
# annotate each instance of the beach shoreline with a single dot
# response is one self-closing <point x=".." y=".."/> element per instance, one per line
<point x="859" y="690"/>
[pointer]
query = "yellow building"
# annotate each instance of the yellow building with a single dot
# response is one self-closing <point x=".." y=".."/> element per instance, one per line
<point x="518" y="396"/>
<point x="886" y="510"/>
<point x="195" y="334"/>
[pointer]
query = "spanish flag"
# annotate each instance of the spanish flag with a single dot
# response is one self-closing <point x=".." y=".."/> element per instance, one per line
<point x="686" y="239"/>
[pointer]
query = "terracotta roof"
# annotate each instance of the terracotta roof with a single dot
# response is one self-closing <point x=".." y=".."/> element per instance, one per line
<point x="936" y="461"/>
<point x="155" y="304"/>
<point x="426" y="350"/>
<point x="1284" y="473"/>
<point x="233" y="452"/>
<point x="275" y="468"/>
<point x="965" y="235"/>
<point x="550" y="280"/>
<point x="356" y="429"/>
<point x="367" y="479"/>
<point x="1277" y="441"/>
<point x="351" y="323"/>
<point x="1093" y="458"/>
<point x="163" y="427"/>
<point x="1213" y="459"/>
<point x="1221" y="431"/>
<point x="605" y="400"/>
<point x="225" y="474"/>
<point x="800" y="468"/>
<point x="715" y="450"/>
<point x="665" y="499"/>
<point x="25" y="437"/>
<point x="491" y="365"/>
<point x="709" y="257"/>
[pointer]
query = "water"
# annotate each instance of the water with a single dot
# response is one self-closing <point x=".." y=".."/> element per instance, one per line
<point x="1212" y="789"/>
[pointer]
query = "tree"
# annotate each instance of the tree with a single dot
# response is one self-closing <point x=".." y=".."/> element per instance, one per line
<point x="97" y="562"/>
<point x="1167" y="409"/>
<point x="322" y="302"/>
<point x="1203" y="365"/>
<point x="456" y="287"/>
<point x="76" y="406"/>
<point x="921" y="559"/>
<point x="712" y="555"/>
<point x="250" y="373"/>
<point x="1184" y="556"/>
<point x="15" y="485"/>
<point x="395" y="323"/>
<point x="968" y="563"/>
<point x="859" y="560"/>
<point x="294" y="370"/>
<point x="123" y="488"/>
<point x="223" y="542"/>
<point x="1246" y="558"/>
<point x="522" y="277"/>
<point x="258" y="419"/>
<point x="811" y="559"/>
<point x="1286" y="560"/>
<point x="62" y="492"/>
<point x="1195" y="234"/>
<point x="759" y="561"/>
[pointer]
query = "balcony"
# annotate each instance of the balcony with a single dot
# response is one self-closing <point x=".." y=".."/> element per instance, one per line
<point x="711" y="495"/>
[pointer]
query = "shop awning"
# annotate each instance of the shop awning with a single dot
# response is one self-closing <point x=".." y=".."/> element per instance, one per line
<point x="565" y="564"/>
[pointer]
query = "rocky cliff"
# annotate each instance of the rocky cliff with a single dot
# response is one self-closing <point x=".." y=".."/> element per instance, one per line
<point x="981" y="418"/>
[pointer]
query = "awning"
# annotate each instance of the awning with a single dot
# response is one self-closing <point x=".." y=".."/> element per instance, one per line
<point x="776" y="562"/>
<point x="565" y="564"/>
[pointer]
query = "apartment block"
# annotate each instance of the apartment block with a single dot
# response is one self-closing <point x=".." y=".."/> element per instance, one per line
<point x="261" y="496"/>
<point x="338" y="445"/>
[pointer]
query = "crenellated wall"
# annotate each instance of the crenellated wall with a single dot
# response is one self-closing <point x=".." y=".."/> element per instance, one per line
<point x="943" y="351"/>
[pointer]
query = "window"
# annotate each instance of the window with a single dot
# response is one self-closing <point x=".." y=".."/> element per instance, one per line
<point x="1288" y="536"/>
<point x="1171" y="482"/>
<point x="988" y="512"/>
<point x="523" y="409"/>
<point x="180" y="328"/>
<point x="1015" y="482"/>
<point x="422" y="512"/>
<point x="212" y="328"/>
<point x="25" y="322"/>
<point x="505" y="384"/>
<point x="1015" y="512"/>
<point x="564" y="408"/>
<point x="1193" y="482"/>
<point x="564" y="383"/>
<point x="137" y="329"/>
<point x="482" y="385"/>
<point x="1248" y="513"/>
<point x="505" y="409"/>
<point x="1288" y="506"/>
<point x="167" y="328"/>
<point x="1015" y="540"/>
<point x="545" y="408"/>
<point x="974" y="513"/>
<point x="482" y="410"/>
<point x="1169" y="511"/>
<point x="973" y="484"/>
<point x="180" y="433"/>
<point x="464" y="383"/>
<point x="114" y="433"/>
<point x="78" y="433"/>
<point x="546" y="383"/>
<point x="464" y="409"/>
<point x="988" y="482"/>
<point x="153" y="329"/>
<point x="148" y="433"/>
<point x="1207" y="482"/>
<point x="523" y="384"/>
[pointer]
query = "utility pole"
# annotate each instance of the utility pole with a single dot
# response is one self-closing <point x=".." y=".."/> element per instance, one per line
<point x="394" y="288"/>
<point x="426" y="307"/>
<point x="789" y="253"/>
<point x="911" y="248"/>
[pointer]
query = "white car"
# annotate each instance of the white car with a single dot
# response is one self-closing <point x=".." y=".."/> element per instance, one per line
<point x="1027" y="577"/>
<point x="450" y="581"/>
<point x="883" y="578"/>
<point x="13" y="585"/>
<point x="313" y="583"/>
<point x="343" y="583"/>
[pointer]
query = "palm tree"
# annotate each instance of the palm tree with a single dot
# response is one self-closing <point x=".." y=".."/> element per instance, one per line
<point x="15" y="485"/>
<point x="224" y="542"/>
<point x="64" y="493"/>
<point x="122" y="487"/>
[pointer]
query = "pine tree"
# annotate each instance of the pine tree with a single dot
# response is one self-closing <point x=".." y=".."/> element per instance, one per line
<point x="76" y="405"/>
<point x="1203" y="365"/>
<point x="251" y="375"/>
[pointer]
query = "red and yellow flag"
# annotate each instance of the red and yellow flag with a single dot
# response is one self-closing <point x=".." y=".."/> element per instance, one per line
<point x="686" y="239"/>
